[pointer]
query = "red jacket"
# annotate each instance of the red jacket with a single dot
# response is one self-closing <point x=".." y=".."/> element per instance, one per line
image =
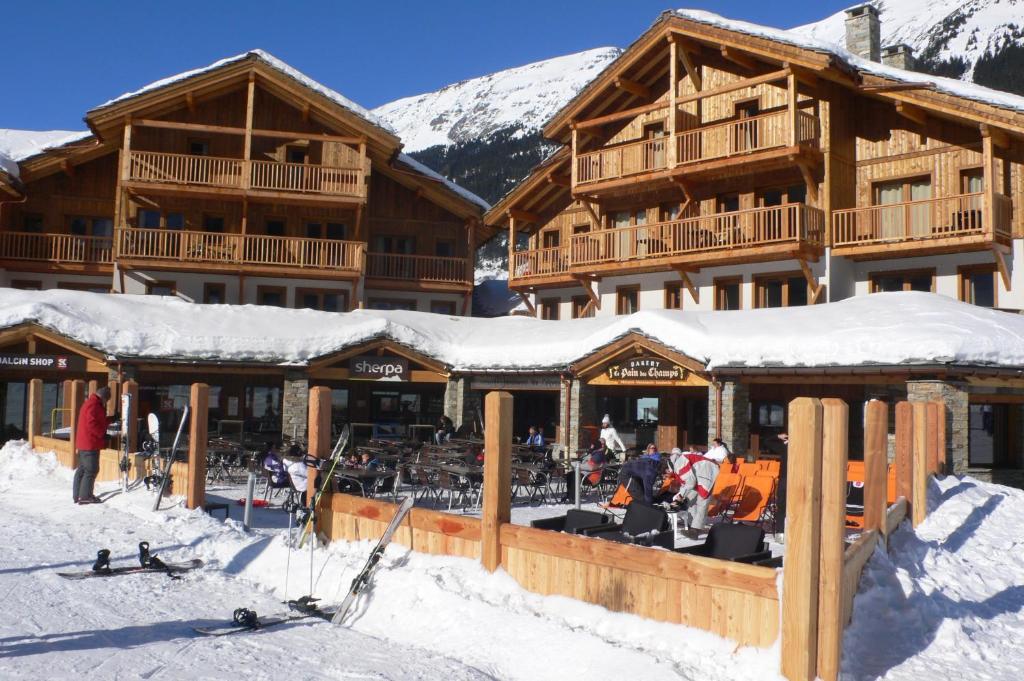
<point x="92" y="424"/>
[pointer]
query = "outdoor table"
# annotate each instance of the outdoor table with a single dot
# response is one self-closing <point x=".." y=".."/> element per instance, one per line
<point x="359" y="476"/>
<point x="417" y="427"/>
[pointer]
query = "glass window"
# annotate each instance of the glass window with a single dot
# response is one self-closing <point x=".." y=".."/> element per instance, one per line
<point x="275" y="227"/>
<point x="313" y="230"/>
<point x="549" y="308"/>
<point x="627" y="300"/>
<point x="551" y="239"/>
<point x="579" y="304"/>
<point x="79" y="226"/>
<point x="771" y="415"/>
<point x="270" y="296"/>
<point x="175" y="221"/>
<point x="391" y="304"/>
<point x="727" y="295"/>
<point x="796" y="194"/>
<point x="620" y="219"/>
<point x="32" y="223"/>
<point x="973" y="181"/>
<point x="213" y="223"/>
<point x="442" y="307"/>
<point x="336" y="230"/>
<point x="885" y="282"/>
<point x="213" y="294"/>
<point x="160" y="288"/>
<point x="978" y="286"/>
<point x="199" y="147"/>
<point x="102" y="227"/>
<point x="673" y="296"/>
<point x="444" y="248"/>
<point x="149" y="219"/>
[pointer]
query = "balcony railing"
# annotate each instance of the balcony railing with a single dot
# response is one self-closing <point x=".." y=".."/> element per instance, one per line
<point x="255" y="250"/>
<point x="793" y="223"/>
<point x="230" y="173"/>
<point x="57" y="248"/>
<point x="416" y="267"/>
<point x="539" y="262"/>
<point x="757" y="133"/>
<point x="924" y="220"/>
<point x="622" y="160"/>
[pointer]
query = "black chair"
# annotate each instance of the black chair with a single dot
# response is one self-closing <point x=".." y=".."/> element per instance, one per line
<point x="854" y="503"/>
<point x="643" y="525"/>
<point x="732" y="541"/>
<point x="575" y="521"/>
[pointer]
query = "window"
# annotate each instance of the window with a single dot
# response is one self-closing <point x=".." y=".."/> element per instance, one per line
<point x="274" y="227"/>
<point x="314" y="230"/>
<point x="394" y="244"/>
<point x="627" y="299"/>
<point x="83" y="286"/>
<point x="669" y="212"/>
<point x="902" y="221"/>
<point x="319" y="299"/>
<point x="673" y="296"/>
<point x="27" y="284"/>
<point x="446" y="307"/>
<point x="297" y="154"/>
<point x="780" y="290"/>
<point x="32" y="224"/>
<point x="87" y="226"/>
<point x="154" y="219"/>
<point x="199" y="147"/>
<point x="160" y="288"/>
<point x="149" y="219"/>
<point x="978" y="285"/>
<point x="581" y="229"/>
<point x="174" y="221"/>
<point x="275" y="296"/>
<point x="551" y="239"/>
<point x="549" y="308"/>
<point x="336" y="230"/>
<point x="728" y="203"/>
<point x="972" y="181"/>
<point x="771" y="415"/>
<point x="444" y="248"/>
<point x="579" y="305"/>
<point x="727" y="293"/>
<point x="213" y="223"/>
<point x="916" y="280"/>
<point x="214" y="294"/>
<point x="391" y="304"/>
<point x="990" y="441"/>
<point x="618" y="219"/>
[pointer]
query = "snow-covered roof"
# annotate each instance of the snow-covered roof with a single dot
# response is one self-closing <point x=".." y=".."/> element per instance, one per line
<point x="438" y="177"/>
<point x="271" y="61"/>
<point x="18" y="145"/>
<point x="950" y="86"/>
<point x="880" y="329"/>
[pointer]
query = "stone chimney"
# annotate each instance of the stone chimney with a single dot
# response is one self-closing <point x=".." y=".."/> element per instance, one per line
<point x="863" y="32"/>
<point x="901" y="56"/>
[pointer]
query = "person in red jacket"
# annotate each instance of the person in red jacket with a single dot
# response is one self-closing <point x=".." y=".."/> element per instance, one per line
<point x="90" y="438"/>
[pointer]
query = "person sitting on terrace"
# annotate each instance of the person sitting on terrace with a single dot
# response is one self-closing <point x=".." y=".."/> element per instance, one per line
<point x="444" y="430"/>
<point x="591" y="465"/>
<point x="274" y="466"/>
<point x="298" y="470"/>
<point x="534" y="439"/>
<point x="719" y="452"/>
<point x="645" y="468"/>
<point x="369" y="462"/>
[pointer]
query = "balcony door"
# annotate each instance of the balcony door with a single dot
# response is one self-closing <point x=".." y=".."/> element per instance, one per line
<point x="745" y="134"/>
<point x="388" y="262"/>
<point x="654" y="149"/>
<point x="905" y="210"/>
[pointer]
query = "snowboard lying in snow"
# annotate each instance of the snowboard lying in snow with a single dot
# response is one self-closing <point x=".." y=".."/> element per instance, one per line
<point x="167" y="569"/>
<point x="247" y="620"/>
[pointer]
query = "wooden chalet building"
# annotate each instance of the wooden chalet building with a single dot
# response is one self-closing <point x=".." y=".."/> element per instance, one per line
<point x="720" y="165"/>
<point x="242" y="182"/>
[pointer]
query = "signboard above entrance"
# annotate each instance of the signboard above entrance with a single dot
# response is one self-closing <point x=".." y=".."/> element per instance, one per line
<point x="643" y="369"/>
<point x="42" y="362"/>
<point x="373" y="368"/>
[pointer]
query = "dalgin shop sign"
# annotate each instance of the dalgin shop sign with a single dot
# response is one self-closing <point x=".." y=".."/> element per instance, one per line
<point x="41" y="362"/>
<point x="379" y="368"/>
<point x="646" y="369"/>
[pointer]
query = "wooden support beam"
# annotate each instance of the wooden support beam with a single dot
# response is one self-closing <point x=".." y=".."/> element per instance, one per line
<point x="738" y="58"/>
<point x="792" y="113"/>
<point x="305" y="112"/>
<point x="736" y="85"/>
<point x="256" y="132"/>
<point x="67" y="168"/>
<point x="190" y="127"/>
<point x="988" y="161"/>
<point x="812" y="282"/>
<point x="799" y="631"/>
<point x="35" y="408"/>
<point x="633" y="87"/>
<point x="912" y="113"/>
<point x="524" y="215"/>
<point x="560" y="180"/>
<point x="876" y="446"/>
<point x="932" y="435"/>
<point x="808" y="174"/>
<point x="684" y="278"/>
<point x="919" y="511"/>
<point x="249" y="102"/>
<point x="525" y="297"/>
<point x="593" y="214"/>
<point x="319" y="424"/>
<point x="940" y="445"/>
<point x="685" y="188"/>
<point x="197" y="436"/>
<point x="692" y="69"/>
<point x="835" y="441"/>
<point x="999" y="137"/>
<point x="190" y="102"/>
<point x="497" y="503"/>
<point x="897" y="87"/>
<point x="589" y="290"/>
<point x="618" y="116"/>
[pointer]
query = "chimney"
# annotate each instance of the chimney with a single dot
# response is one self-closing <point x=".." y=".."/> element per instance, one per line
<point x="863" y="32"/>
<point x="901" y="56"/>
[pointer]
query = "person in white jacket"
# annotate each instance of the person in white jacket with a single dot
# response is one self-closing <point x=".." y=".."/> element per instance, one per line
<point x="611" y="436"/>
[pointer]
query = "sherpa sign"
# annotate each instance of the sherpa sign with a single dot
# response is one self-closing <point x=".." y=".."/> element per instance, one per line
<point x="646" y="369"/>
<point x="42" y="362"/>
<point x="379" y="368"/>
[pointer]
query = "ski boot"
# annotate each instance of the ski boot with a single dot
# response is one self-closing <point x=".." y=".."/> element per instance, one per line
<point x="149" y="561"/>
<point x="244" y="617"/>
<point x="102" y="563"/>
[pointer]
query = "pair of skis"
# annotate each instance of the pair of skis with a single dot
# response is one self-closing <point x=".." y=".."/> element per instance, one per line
<point x="165" y="473"/>
<point x="325" y="482"/>
<point x="245" y="620"/>
<point x="147" y="563"/>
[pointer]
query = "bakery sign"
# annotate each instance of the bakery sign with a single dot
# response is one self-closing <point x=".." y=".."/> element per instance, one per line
<point x="56" y="363"/>
<point x="373" y="368"/>
<point x="645" y="369"/>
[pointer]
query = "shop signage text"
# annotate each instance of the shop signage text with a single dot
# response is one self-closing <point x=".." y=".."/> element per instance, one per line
<point x="379" y="368"/>
<point x="642" y="369"/>
<point x="42" y="362"/>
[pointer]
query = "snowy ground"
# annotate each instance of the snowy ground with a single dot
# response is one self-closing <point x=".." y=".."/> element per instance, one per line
<point x="426" y="617"/>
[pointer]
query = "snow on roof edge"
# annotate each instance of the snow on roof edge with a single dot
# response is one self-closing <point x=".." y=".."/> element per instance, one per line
<point x="21" y="145"/>
<point x="434" y="175"/>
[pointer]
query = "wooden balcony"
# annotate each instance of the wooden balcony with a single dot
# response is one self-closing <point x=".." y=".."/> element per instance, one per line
<point x="57" y="252"/>
<point x="218" y="176"/>
<point x="415" y="271"/>
<point x="746" y="136"/>
<point x="623" y="160"/>
<point x="239" y="253"/>
<point x="778" y="232"/>
<point x="925" y="227"/>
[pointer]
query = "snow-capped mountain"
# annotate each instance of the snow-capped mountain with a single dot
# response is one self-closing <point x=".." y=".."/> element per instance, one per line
<point x="975" y="40"/>
<point x="523" y="97"/>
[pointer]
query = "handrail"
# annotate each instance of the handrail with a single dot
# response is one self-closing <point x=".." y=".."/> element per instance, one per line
<point x="416" y="267"/>
<point x="305" y="177"/>
<point x="57" y="248"/>
<point x="757" y="133"/>
<point x="622" y="160"/>
<point x="161" y="167"/>
<point x="923" y="219"/>
<point x="539" y="262"/>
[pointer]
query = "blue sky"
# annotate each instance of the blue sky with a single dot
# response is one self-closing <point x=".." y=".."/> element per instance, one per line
<point x="65" y="56"/>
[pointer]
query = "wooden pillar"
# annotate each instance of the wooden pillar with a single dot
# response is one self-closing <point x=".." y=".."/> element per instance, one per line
<point x="668" y="421"/>
<point x="319" y="425"/>
<point x="803" y="540"/>
<point x="114" y="403"/>
<point x="794" y="112"/>
<point x="197" y="424"/>
<point x="673" y="106"/>
<point x="940" y="444"/>
<point x="76" y="393"/>
<point x="470" y="250"/>
<point x="93" y="386"/>
<point x="920" y="457"/>
<point x="66" y="406"/>
<point x="35" y="408"/>
<point x="876" y="481"/>
<point x="131" y="388"/>
<point x="989" y="199"/>
<point x="904" y="451"/>
<point x="497" y="504"/>
<point x="932" y="410"/>
<point x="835" y="442"/>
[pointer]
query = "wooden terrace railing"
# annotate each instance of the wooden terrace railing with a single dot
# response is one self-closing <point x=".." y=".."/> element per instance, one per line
<point x="539" y="262"/>
<point x="757" y="133"/>
<point x="57" y="248"/>
<point x="622" y="160"/>
<point x="208" y="171"/>
<point x="303" y="177"/>
<point x="926" y="219"/>
<point x="416" y="267"/>
<point x="240" y="249"/>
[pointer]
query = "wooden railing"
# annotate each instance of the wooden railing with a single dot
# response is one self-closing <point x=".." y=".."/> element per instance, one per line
<point x="793" y="222"/>
<point x="57" y="248"/>
<point x="211" y="171"/>
<point x="539" y="262"/>
<point x="239" y="249"/>
<point x="622" y="160"/>
<point x="303" y="177"/>
<point x="939" y="218"/>
<point x="416" y="267"/>
<point x="746" y="135"/>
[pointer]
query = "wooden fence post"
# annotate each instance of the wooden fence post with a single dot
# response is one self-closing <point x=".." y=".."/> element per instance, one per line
<point x="76" y="396"/>
<point x="319" y="424"/>
<point x="876" y="480"/>
<point x="66" y="405"/>
<point x="197" y="435"/>
<point x="35" y="409"/>
<point x="920" y="456"/>
<point x="497" y="504"/>
<point x="834" y="454"/>
<point x="803" y="536"/>
<point x="905" y="451"/>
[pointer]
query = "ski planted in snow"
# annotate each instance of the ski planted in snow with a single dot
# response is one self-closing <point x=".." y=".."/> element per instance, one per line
<point x="166" y="474"/>
<point x="147" y="563"/>
<point x="325" y="481"/>
<point x="246" y="620"/>
<point x="363" y="578"/>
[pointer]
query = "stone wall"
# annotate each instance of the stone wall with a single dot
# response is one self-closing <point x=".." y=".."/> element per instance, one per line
<point x="461" y="404"/>
<point x="735" y="416"/>
<point x="582" y="411"/>
<point x="295" y="405"/>
<point x="954" y="395"/>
